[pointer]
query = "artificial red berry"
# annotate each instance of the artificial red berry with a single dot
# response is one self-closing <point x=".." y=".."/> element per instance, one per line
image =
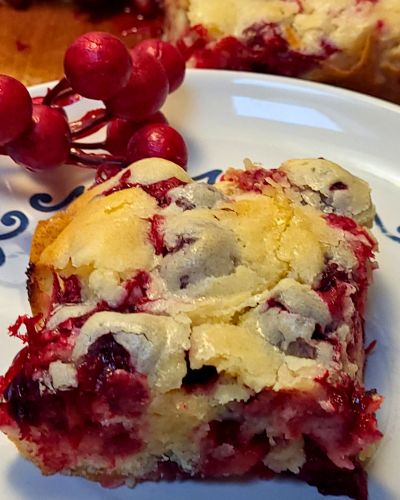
<point x="170" y="58"/>
<point x="97" y="65"/>
<point x="45" y="145"/>
<point x="15" y="109"/>
<point x="145" y="92"/>
<point x="120" y="131"/>
<point x="158" y="140"/>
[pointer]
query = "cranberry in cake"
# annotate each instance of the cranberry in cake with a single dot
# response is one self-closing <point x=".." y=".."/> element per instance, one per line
<point x="350" y="43"/>
<point x="182" y="330"/>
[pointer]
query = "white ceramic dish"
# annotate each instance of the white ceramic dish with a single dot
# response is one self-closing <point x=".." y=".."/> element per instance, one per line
<point x="225" y="117"/>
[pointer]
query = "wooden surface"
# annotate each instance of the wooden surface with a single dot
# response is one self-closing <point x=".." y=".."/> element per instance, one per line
<point x="33" y="41"/>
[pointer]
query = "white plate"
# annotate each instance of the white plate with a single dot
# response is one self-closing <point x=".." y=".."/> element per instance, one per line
<point x="225" y="117"/>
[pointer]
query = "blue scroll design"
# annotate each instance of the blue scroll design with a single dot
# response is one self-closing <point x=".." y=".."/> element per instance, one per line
<point x="211" y="176"/>
<point x="41" y="201"/>
<point x="385" y="231"/>
<point x="20" y="222"/>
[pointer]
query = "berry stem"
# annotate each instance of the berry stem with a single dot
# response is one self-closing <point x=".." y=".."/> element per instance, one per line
<point x="91" y="160"/>
<point x="89" y="123"/>
<point x="66" y="97"/>
<point x="52" y="94"/>
<point x="88" y="145"/>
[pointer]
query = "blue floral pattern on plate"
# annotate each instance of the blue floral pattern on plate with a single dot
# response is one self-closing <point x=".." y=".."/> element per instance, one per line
<point x="40" y="201"/>
<point x="12" y="218"/>
<point x="385" y="231"/>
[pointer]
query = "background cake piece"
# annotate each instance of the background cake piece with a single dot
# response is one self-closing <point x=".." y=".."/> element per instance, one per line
<point x="354" y="44"/>
<point x="186" y="330"/>
<point x="349" y="43"/>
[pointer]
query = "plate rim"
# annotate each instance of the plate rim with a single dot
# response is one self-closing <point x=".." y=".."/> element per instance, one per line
<point x="277" y="80"/>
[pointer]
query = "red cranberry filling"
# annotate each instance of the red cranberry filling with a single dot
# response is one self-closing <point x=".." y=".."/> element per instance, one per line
<point x="332" y="289"/>
<point x="22" y="395"/>
<point x="352" y="423"/>
<point x="121" y="442"/>
<point x="104" y="173"/>
<point x="363" y="248"/>
<point x="66" y="290"/>
<point x="357" y="409"/>
<point x="347" y="224"/>
<point x="319" y="471"/>
<point x="109" y="385"/>
<point x="271" y="52"/>
<point x="156" y="234"/>
<point x="74" y="324"/>
<point x="228" y="452"/>
<point x="253" y="179"/>
<point x="123" y="183"/>
<point x="330" y="277"/>
<point x="14" y="369"/>
<point x="72" y="419"/>
<point x="195" y="39"/>
<point x="30" y="325"/>
<point x="135" y="296"/>
<point x="262" y="48"/>
<point x="156" y="237"/>
<point x="136" y="293"/>
<point x="103" y="358"/>
<point x="158" y="190"/>
<point x="127" y="394"/>
<point x="43" y="346"/>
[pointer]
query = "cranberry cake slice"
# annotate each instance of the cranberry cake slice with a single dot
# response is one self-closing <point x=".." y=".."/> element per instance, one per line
<point x="351" y="43"/>
<point x="182" y="330"/>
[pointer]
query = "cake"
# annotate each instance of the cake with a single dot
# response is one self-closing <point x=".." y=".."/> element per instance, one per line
<point x="350" y="43"/>
<point x="183" y="330"/>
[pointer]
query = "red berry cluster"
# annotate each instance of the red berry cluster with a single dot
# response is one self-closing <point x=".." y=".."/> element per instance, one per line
<point x="133" y="86"/>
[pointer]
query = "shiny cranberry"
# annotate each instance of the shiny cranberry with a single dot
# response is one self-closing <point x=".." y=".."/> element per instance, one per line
<point x="170" y="58"/>
<point x="161" y="141"/>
